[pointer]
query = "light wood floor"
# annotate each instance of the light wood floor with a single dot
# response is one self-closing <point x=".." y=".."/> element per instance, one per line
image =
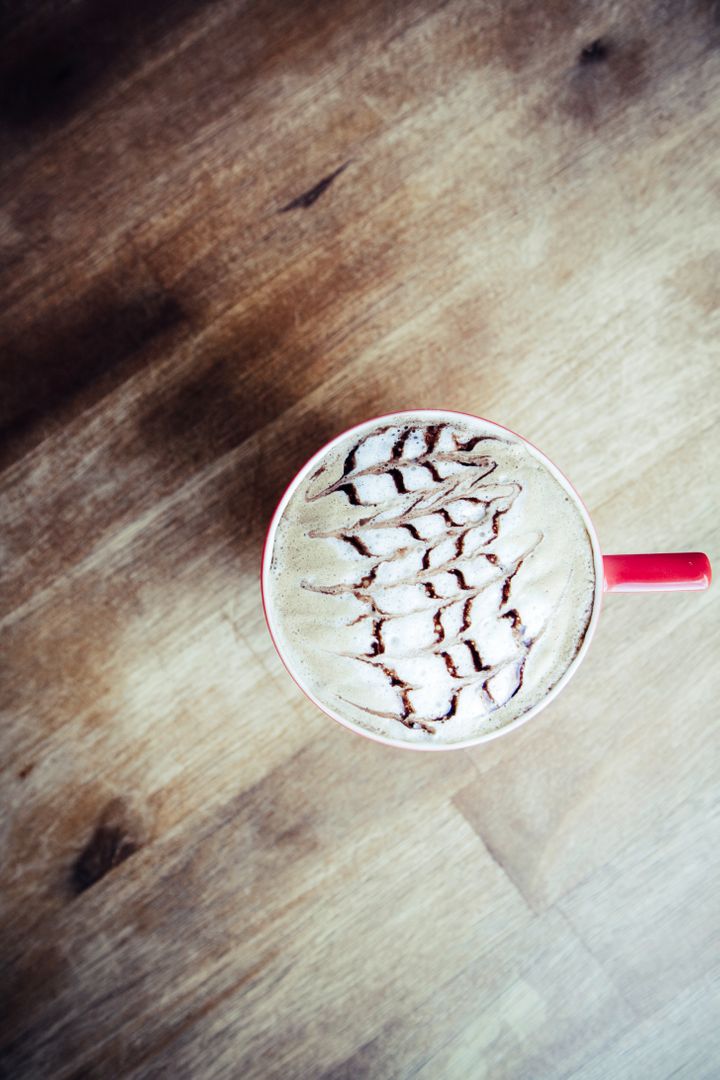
<point x="202" y="876"/>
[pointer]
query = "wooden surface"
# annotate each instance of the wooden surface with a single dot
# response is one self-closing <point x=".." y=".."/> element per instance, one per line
<point x="227" y="231"/>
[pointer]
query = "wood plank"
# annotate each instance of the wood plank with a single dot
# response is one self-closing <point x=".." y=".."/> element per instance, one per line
<point x="667" y="896"/>
<point x="507" y="1013"/>
<point x="678" y="1040"/>
<point x="251" y="889"/>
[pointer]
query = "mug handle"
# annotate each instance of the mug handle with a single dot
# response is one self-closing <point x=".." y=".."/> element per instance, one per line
<point x="660" y="572"/>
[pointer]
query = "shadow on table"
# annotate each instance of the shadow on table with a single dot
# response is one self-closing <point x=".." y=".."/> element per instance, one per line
<point x="76" y="353"/>
<point x="248" y="387"/>
<point x="55" y="63"/>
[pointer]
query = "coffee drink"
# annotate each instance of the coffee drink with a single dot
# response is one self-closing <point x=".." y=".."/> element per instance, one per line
<point x="429" y="578"/>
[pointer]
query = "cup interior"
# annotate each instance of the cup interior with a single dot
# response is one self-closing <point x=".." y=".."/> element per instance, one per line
<point x="431" y="416"/>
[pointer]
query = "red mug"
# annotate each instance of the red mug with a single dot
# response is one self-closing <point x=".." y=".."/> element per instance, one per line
<point x="652" y="572"/>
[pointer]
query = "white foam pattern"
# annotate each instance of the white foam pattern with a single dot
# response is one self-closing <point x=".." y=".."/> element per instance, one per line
<point x="431" y="579"/>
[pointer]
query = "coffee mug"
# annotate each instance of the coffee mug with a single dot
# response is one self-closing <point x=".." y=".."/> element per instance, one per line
<point x="412" y="593"/>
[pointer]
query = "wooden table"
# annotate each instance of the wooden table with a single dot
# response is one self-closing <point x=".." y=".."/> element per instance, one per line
<point x="227" y="231"/>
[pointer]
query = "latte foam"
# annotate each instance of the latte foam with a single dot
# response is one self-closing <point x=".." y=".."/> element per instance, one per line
<point x="429" y="579"/>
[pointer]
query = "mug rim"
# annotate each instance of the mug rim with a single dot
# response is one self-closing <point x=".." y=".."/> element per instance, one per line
<point x="562" y="682"/>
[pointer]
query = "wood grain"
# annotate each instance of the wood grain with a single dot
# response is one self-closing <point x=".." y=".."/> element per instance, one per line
<point x="226" y="232"/>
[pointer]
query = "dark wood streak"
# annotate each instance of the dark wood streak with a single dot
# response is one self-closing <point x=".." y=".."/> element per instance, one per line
<point x="439" y="628"/>
<point x="308" y="198"/>
<point x="595" y="52"/>
<point x="108" y="846"/>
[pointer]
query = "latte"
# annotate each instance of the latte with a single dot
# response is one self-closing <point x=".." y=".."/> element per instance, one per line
<point x="429" y="578"/>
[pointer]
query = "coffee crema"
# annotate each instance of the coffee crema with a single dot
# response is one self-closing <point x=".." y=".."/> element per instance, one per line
<point x="430" y="578"/>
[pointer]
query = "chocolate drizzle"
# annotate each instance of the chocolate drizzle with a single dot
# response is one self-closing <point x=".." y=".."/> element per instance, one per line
<point x="475" y="655"/>
<point x="349" y="465"/>
<point x="452" y="707"/>
<point x="377" y="644"/>
<point x="457" y="501"/>
<point x="507" y="584"/>
<point x="357" y="543"/>
<point x="496" y="520"/>
<point x="399" y="445"/>
<point x="349" y="490"/>
<point x="460" y="578"/>
<point x="450" y="665"/>
<point x="398" y="480"/>
<point x="430" y="460"/>
<point x="432" y="434"/>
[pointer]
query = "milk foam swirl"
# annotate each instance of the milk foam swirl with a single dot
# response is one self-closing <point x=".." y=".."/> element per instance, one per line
<point x="452" y="491"/>
<point x="430" y="579"/>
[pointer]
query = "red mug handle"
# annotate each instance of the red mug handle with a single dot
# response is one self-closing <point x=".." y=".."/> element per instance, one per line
<point x="661" y="572"/>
